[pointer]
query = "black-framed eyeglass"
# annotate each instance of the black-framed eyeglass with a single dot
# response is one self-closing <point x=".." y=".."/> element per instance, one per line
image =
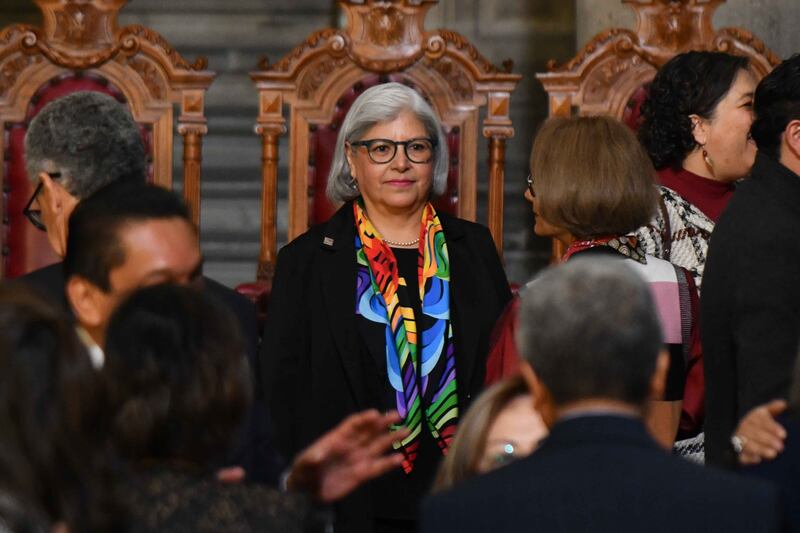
<point x="529" y="181"/>
<point x="382" y="151"/>
<point x="35" y="215"/>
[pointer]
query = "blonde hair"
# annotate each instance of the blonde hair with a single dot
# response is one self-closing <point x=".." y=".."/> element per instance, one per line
<point x="464" y="455"/>
<point x="592" y="177"/>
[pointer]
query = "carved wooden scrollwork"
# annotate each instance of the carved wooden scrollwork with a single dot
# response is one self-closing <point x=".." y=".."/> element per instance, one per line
<point x="81" y="25"/>
<point x="310" y="43"/>
<point x="12" y="68"/>
<point x="461" y="43"/>
<point x="154" y="38"/>
<point x="384" y="25"/>
<point x="313" y="78"/>
<point x="454" y="74"/>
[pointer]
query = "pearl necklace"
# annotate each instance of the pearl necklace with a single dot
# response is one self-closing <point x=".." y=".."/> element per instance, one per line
<point x="393" y="243"/>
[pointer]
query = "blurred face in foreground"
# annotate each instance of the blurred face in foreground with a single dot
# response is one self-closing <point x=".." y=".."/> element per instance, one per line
<point x="515" y="433"/>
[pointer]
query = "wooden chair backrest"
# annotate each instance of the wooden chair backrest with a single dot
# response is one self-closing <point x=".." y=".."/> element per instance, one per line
<point x="81" y="47"/>
<point x="382" y="41"/>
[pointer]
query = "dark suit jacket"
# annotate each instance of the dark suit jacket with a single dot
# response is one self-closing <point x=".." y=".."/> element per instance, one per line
<point x="256" y="453"/>
<point x="750" y="307"/>
<point x="784" y="471"/>
<point x="603" y="474"/>
<point x="314" y="372"/>
<point x="49" y="282"/>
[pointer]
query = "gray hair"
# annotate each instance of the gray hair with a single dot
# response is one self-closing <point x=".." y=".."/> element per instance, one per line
<point x="90" y="138"/>
<point x="590" y="330"/>
<point x="384" y="103"/>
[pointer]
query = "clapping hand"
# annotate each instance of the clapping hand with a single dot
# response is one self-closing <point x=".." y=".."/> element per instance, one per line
<point x="347" y="456"/>
<point x="760" y="436"/>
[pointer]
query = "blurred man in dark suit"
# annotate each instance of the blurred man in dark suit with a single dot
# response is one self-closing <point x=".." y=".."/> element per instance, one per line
<point x="750" y="308"/>
<point x="591" y="343"/>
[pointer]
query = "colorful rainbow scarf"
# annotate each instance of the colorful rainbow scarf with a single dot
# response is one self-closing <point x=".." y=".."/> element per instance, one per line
<point x="413" y="367"/>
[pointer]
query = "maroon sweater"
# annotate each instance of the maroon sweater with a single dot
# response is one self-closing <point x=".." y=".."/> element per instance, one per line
<point x="710" y="196"/>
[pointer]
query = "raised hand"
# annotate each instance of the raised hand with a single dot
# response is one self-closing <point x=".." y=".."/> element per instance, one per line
<point x="347" y="456"/>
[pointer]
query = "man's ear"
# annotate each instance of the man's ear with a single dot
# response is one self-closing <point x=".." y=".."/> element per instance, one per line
<point x="87" y="301"/>
<point x="542" y="399"/>
<point x="51" y="193"/>
<point x="699" y="129"/>
<point x="59" y="204"/>
<point x="658" y="382"/>
<point x="792" y="137"/>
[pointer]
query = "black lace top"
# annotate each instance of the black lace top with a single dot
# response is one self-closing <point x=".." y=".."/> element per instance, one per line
<point x="176" y="501"/>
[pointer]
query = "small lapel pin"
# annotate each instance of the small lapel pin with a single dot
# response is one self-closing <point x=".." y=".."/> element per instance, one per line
<point x="327" y="241"/>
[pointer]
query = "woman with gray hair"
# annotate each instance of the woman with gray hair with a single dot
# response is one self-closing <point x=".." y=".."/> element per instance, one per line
<point x="387" y="305"/>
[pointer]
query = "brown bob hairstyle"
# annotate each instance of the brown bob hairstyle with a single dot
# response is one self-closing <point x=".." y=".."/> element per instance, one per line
<point x="592" y="177"/>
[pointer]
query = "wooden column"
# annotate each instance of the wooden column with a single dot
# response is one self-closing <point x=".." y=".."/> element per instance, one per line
<point x="497" y="158"/>
<point x="192" y="157"/>
<point x="192" y="126"/>
<point x="269" y="201"/>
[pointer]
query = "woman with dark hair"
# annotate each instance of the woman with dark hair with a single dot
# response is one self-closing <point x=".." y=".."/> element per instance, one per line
<point x="177" y="383"/>
<point x="178" y="387"/>
<point x="695" y="126"/>
<point x="51" y="419"/>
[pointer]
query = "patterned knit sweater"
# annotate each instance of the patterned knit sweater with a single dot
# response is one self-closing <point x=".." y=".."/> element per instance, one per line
<point x="678" y="233"/>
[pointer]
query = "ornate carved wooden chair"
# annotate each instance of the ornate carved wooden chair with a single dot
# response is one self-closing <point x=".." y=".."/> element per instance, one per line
<point x="609" y="75"/>
<point x="320" y="78"/>
<point x="81" y="47"/>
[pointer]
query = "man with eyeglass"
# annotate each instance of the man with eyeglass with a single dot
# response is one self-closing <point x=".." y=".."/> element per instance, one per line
<point x="76" y="146"/>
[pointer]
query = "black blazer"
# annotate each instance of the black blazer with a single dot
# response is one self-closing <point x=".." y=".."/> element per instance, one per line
<point x="603" y="474"/>
<point x="750" y="307"/>
<point x="314" y="373"/>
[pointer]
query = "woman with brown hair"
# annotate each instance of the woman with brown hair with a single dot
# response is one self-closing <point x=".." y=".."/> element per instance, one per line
<point x="591" y="187"/>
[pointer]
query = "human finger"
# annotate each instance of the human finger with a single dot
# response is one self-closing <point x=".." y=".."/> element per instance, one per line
<point x="776" y="407"/>
<point x="386" y="441"/>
